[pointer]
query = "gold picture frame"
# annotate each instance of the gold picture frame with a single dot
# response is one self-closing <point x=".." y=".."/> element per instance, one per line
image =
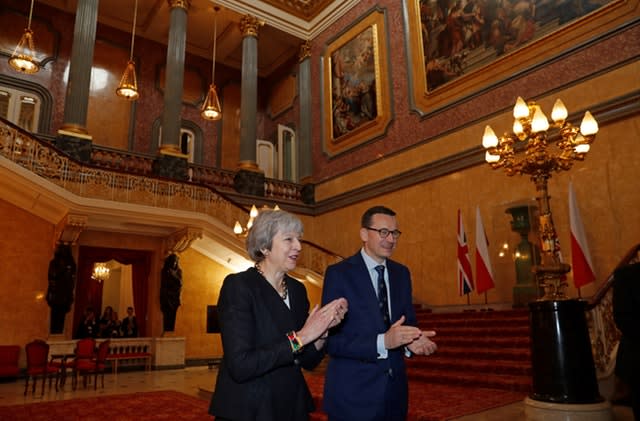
<point x="356" y="94"/>
<point x="547" y="42"/>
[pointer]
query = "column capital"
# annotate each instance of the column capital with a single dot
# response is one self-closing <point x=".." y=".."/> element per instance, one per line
<point x="249" y="26"/>
<point x="305" y="51"/>
<point x="179" y="3"/>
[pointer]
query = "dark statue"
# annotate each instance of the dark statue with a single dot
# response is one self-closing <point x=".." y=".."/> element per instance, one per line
<point x="170" y="286"/>
<point x="62" y="280"/>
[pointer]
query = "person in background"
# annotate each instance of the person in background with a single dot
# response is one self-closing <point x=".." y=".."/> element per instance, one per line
<point x="268" y="333"/>
<point x="129" y="325"/>
<point x="88" y="328"/>
<point x="626" y="313"/>
<point x="366" y="377"/>
<point x="109" y="324"/>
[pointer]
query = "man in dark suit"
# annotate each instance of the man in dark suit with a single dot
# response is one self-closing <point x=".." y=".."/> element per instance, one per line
<point x="366" y="377"/>
<point x="626" y="313"/>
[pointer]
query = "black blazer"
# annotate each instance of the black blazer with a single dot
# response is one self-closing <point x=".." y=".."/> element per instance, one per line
<point x="260" y="378"/>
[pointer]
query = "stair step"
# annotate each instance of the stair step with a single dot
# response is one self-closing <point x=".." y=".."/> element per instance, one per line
<point x="506" y="331"/>
<point x="475" y="315"/>
<point x="516" y="368"/>
<point x="507" y="354"/>
<point x="469" y="379"/>
<point x="488" y="342"/>
<point x="446" y="323"/>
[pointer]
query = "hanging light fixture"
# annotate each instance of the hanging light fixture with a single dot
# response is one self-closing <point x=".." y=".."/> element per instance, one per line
<point x="211" y="108"/>
<point x="23" y="58"/>
<point x="100" y="272"/>
<point x="128" y="88"/>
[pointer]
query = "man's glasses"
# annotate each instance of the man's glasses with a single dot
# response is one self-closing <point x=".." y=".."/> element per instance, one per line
<point x="384" y="233"/>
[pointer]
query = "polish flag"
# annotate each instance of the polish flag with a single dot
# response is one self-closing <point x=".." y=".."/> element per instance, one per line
<point x="465" y="277"/>
<point x="581" y="263"/>
<point x="484" y="271"/>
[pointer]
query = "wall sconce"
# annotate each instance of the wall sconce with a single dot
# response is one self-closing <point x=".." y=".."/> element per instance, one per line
<point x="128" y="88"/>
<point x="23" y="58"/>
<point x="241" y="231"/>
<point x="211" y="108"/>
<point x="100" y="272"/>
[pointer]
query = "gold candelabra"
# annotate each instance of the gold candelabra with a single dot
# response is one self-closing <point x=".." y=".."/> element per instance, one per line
<point x="537" y="148"/>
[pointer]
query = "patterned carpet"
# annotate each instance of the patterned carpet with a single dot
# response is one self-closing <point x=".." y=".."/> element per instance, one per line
<point x="436" y="402"/>
<point x="163" y="405"/>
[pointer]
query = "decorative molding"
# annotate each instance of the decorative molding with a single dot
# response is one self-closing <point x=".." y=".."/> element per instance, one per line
<point x="69" y="228"/>
<point x="181" y="240"/>
<point x="249" y="26"/>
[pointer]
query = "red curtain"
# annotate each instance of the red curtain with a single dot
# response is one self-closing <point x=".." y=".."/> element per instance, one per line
<point x="89" y="291"/>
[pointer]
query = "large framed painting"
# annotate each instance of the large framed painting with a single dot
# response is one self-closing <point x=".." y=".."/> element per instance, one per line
<point x="355" y="77"/>
<point x="458" y="48"/>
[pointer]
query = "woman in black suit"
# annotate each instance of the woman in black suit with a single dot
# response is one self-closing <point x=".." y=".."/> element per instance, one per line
<point x="268" y="333"/>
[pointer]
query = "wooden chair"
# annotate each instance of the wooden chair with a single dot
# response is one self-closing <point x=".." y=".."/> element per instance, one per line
<point x="95" y="366"/>
<point x="38" y="365"/>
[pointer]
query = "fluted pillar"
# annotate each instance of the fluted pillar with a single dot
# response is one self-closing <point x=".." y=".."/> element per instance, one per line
<point x="171" y="162"/>
<point x="305" y="167"/>
<point x="249" y="92"/>
<point x="73" y="137"/>
<point x="174" y="76"/>
<point x="249" y="179"/>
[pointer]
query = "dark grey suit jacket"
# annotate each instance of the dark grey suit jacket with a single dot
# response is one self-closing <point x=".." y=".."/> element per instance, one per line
<point x="260" y="378"/>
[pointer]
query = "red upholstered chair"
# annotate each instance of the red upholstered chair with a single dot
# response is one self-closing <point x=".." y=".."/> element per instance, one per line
<point x="38" y="365"/>
<point x="85" y="352"/>
<point x="95" y="366"/>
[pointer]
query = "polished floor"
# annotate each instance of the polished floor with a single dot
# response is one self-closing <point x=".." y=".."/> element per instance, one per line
<point x="199" y="381"/>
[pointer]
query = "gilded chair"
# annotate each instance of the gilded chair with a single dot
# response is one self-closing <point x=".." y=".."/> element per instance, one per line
<point x="95" y="366"/>
<point x="38" y="365"/>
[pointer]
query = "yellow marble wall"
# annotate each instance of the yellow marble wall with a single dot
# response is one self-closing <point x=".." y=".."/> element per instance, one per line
<point x="201" y="282"/>
<point x="23" y="275"/>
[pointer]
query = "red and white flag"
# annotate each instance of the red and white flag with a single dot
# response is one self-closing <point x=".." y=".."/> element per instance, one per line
<point x="465" y="277"/>
<point x="484" y="271"/>
<point x="581" y="262"/>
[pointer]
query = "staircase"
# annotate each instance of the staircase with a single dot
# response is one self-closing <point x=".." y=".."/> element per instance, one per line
<point x="483" y="361"/>
<point x="488" y="349"/>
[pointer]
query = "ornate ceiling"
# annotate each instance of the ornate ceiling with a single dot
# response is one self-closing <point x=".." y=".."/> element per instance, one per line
<point x="287" y="24"/>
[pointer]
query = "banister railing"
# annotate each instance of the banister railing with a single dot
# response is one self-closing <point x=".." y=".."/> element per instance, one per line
<point x="603" y="332"/>
<point x="139" y="186"/>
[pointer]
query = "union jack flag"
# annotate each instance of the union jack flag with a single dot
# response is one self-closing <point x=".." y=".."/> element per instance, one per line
<point x="465" y="276"/>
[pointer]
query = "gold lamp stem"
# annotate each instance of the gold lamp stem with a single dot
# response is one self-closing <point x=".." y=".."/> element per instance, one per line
<point x="551" y="272"/>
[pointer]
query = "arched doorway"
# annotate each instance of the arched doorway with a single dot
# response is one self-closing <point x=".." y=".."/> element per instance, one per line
<point x="88" y="291"/>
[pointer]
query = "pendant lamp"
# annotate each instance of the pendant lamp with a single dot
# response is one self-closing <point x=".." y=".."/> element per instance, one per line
<point x="23" y="58"/>
<point x="128" y="88"/>
<point x="211" y="108"/>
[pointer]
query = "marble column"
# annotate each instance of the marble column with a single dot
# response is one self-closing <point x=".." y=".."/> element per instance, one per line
<point x="249" y="179"/>
<point x="305" y="166"/>
<point x="73" y="137"/>
<point x="171" y="162"/>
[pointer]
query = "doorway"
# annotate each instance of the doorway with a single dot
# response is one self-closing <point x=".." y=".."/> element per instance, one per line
<point x="89" y="291"/>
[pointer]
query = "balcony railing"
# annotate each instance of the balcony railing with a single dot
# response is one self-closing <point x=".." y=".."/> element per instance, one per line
<point x="132" y="182"/>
